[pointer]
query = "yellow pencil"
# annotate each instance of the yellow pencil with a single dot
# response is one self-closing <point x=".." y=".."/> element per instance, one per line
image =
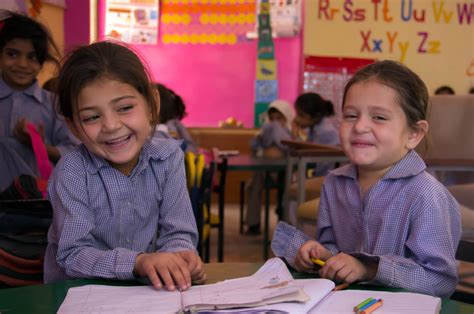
<point x="319" y="262"/>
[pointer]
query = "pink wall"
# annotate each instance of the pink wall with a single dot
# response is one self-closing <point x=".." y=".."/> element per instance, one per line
<point x="215" y="81"/>
<point x="76" y="24"/>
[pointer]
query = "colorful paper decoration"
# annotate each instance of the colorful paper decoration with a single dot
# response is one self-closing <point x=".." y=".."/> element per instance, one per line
<point x="211" y="22"/>
<point x="266" y="69"/>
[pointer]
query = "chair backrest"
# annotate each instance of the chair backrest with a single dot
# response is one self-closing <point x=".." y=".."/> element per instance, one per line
<point x="199" y="174"/>
<point x="451" y="127"/>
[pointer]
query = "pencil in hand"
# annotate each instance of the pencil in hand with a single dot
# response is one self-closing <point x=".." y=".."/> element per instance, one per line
<point x="318" y="262"/>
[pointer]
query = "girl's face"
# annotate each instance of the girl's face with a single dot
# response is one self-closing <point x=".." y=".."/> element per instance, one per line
<point x="374" y="132"/>
<point x="19" y="63"/>
<point x="277" y="116"/>
<point x="113" y="122"/>
<point x="304" y="120"/>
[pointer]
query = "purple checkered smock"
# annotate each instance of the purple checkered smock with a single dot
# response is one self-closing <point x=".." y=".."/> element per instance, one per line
<point x="407" y="221"/>
<point x="104" y="219"/>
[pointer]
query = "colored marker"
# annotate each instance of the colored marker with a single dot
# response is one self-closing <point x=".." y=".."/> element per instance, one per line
<point x="317" y="261"/>
<point x="367" y="305"/>
<point x="361" y="304"/>
<point x="373" y="307"/>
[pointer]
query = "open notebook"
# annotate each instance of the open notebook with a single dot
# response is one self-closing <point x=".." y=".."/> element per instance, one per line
<point x="271" y="288"/>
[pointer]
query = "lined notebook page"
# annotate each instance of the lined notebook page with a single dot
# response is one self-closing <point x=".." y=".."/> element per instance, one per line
<point x="393" y="302"/>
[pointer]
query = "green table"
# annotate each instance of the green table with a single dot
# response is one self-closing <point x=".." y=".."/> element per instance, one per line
<point x="48" y="298"/>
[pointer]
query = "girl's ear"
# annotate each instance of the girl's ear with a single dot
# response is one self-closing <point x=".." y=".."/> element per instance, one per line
<point x="72" y="127"/>
<point x="417" y="133"/>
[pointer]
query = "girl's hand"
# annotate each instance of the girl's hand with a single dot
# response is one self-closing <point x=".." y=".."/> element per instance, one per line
<point x="164" y="269"/>
<point x="21" y="132"/>
<point x="195" y="266"/>
<point x="346" y="268"/>
<point x="309" y="250"/>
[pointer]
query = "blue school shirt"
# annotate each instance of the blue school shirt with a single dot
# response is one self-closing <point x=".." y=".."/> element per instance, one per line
<point x="34" y="104"/>
<point x="104" y="219"/>
<point x="271" y="134"/>
<point x="407" y="221"/>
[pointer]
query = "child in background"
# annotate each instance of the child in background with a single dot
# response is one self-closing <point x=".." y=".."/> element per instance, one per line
<point x="267" y="143"/>
<point x="121" y="206"/>
<point x="316" y="116"/>
<point x="382" y="218"/>
<point x="25" y="45"/>
<point x="172" y="111"/>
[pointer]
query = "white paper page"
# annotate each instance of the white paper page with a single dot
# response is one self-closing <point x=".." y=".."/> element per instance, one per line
<point x="393" y="302"/>
<point x="241" y="290"/>
<point x="317" y="289"/>
<point x="110" y="299"/>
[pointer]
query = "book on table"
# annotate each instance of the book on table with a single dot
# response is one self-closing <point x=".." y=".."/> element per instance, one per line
<point x="272" y="287"/>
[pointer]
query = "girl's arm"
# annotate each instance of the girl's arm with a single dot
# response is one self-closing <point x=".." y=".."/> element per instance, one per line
<point x="434" y="236"/>
<point x="79" y="254"/>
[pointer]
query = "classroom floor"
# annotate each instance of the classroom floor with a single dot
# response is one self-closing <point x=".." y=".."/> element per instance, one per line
<point x="240" y="247"/>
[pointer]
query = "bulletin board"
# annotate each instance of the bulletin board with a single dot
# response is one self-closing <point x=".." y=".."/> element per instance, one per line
<point x="327" y="76"/>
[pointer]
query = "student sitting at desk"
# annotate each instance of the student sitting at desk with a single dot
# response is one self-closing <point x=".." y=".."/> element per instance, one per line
<point x="121" y="206"/>
<point x="382" y="218"/>
<point x="267" y="143"/>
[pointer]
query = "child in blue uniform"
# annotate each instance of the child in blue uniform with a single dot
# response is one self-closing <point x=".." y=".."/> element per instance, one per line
<point x="121" y="206"/>
<point x="25" y="45"/>
<point x="382" y="218"/>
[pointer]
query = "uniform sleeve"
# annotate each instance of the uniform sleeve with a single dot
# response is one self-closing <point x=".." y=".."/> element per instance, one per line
<point x="78" y="252"/>
<point x="432" y="242"/>
<point x="177" y="224"/>
<point x="287" y="240"/>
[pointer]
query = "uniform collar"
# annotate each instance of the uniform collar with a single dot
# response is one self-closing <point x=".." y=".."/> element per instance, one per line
<point x="159" y="149"/>
<point x="410" y="165"/>
<point x="34" y="90"/>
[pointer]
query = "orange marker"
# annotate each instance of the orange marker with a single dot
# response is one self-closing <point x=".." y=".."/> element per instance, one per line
<point x="373" y="307"/>
<point x="342" y="286"/>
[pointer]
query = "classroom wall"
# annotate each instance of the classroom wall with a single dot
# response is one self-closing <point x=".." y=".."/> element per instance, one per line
<point x="53" y="17"/>
<point x="434" y="38"/>
<point x="217" y="81"/>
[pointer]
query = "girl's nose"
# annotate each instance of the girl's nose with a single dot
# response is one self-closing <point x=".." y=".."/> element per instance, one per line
<point x="23" y="61"/>
<point x="111" y="123"/>
<point x="362" y="125"/>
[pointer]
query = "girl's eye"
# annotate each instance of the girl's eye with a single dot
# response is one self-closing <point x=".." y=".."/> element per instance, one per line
<point x="90" y="119"/>
<point x="125" y="108"/>
<point x="379" y="118"/>
<point x="12" y="54"/>
<point x="33" y="57"/>
<point x="349" y="116"/>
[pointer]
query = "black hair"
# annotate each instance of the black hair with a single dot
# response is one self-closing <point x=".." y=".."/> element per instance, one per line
<point x="412" y="94"/>
<point x="14" y="25"/>
<point x="314" y="105"/>
<point x="471" y="90"/>
<point x="50" y="85"/>
<point x="105" y="59"/>
<point x="172" y="105"/>
<point x="444" y="90"/>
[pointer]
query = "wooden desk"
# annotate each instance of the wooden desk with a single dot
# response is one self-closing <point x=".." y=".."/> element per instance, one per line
<point x="48" y="298"/>
<point x="248" y="163"/>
